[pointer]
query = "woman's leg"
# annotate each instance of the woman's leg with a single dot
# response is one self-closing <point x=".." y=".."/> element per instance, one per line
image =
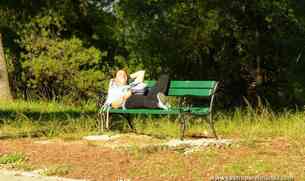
<point x="141" y="101"/>
<point x="160" y="86"/>
<point x="151" y="99"/>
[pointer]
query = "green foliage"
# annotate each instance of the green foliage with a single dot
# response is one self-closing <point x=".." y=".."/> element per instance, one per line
<point x="65" y="67"/>
<point x="54" y="67"/>
<point x="12" y="158"/>
<point x="58" y="49"/>
<point x="255" y="48"/>
<point x="248" y="45"/>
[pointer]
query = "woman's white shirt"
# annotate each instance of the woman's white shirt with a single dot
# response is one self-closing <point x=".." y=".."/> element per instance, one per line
<point x="116" y="92"/>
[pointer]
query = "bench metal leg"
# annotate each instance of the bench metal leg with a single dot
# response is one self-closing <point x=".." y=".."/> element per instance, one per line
<point x="107" y="121"/>
<point x="103" y="121"/>
<point x="129" y="121"/>
<point x="184" y="119"/>
<point x="212" y="126"/>
<point x="101" y="118"/>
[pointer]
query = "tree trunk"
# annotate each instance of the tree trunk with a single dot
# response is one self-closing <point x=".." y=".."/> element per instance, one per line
<point x="5" y="93"/>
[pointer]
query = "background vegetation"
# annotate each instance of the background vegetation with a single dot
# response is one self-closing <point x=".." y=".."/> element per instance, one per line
<point x="67" y="50"/>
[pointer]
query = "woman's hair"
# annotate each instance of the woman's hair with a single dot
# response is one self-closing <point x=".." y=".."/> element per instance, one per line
<point x="116" y="71"/>
<point x="121" y="77"/>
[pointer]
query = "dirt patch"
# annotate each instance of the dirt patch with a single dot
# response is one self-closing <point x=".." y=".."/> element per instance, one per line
<point x="87" y="162"/>
<point x="98" y="161"/>
<point x="102" y="160"/>
<point x="123" y="140"/>
<point x="10" y="175"/>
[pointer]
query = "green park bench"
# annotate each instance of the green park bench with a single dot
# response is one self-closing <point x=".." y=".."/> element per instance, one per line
<point x="180" y="89"/>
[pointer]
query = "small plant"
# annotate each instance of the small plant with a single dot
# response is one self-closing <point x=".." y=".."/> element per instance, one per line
<point x="23" y="166"/>
<point x="12" y="158"/>
<point x="58" y="170"/>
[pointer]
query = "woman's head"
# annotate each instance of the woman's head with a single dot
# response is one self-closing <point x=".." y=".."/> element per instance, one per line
<point x="121" y="77"/>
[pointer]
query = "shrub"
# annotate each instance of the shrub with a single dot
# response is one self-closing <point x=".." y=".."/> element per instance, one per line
<point x="53" y="67"/>
<point x="64" y="68"/>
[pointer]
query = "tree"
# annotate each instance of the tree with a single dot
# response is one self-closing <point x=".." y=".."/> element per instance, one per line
<point x="250" y="45"/>
<point x="5" y="93"/>
<point x="45" y="37"/>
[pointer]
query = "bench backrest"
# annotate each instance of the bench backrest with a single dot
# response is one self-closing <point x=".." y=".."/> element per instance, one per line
<point x="189" y="88"/>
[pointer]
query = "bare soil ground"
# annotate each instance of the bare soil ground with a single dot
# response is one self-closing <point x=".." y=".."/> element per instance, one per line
<point x="98" y="161"/>
<point x="9" y="175"/>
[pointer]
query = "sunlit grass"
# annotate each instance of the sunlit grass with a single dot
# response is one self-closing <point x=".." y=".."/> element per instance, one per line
<point x="22" y="118"/>
<point x="257" y="126"/>
<point x="247" y="166"/>
<point x="35" y="119"/>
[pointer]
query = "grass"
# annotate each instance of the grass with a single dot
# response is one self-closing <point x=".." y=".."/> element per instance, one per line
<point x="49" y="119"/>
<point x="249" y="165"/>
<point x="270" y="143"/>
<point x="53" y="119"/>
<point x="259" y="127"/>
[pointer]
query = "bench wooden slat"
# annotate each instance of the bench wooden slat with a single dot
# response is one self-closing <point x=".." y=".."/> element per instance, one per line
<point x="188" y="88"/>
<point x="146" y="111"/>
<point x="193" y="110"/>
<point x="150" y="83"/>
<point x="190" y="92"/>
<point x="199" y="110"/>
<point x="209" y="84"/>
<point x="192" y="84"/>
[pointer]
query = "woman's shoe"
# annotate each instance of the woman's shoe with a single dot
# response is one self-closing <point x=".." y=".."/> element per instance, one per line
<point x="162" y="101"/>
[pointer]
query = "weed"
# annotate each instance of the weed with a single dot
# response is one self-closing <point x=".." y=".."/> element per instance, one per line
<point x="16" y="161"/>
<point x="23" y="166"/>
<point x="12" y="158"/>
<point x="58" y="170"/>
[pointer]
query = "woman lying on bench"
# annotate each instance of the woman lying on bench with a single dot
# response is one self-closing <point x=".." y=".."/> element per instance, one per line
<point x="124" y="95"/>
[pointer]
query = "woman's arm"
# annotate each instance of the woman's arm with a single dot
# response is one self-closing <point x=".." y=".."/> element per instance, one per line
<point x="138" y="76"/>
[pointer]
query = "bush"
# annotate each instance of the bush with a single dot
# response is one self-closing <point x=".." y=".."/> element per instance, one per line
<point x="53" y="67"/>
<point x="64" y="68"/>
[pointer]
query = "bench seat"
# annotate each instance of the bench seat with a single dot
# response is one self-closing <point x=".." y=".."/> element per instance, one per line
<point x="178" y="110"/>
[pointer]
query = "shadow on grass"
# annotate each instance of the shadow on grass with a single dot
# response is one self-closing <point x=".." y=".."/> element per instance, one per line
<point x="9" y="114"/>
<point x="62" y="118"/>
<point x="118" y="123"/>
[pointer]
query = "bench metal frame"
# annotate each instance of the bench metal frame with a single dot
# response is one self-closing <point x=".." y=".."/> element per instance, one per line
<point x="104" y="116"/>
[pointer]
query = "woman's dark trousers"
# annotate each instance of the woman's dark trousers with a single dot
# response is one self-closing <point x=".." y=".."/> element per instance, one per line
<point x="149" y="100"/>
